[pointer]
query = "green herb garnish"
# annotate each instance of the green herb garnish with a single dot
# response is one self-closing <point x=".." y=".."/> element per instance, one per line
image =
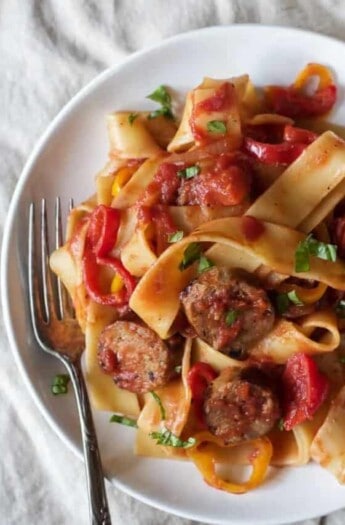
<point x="189" y="173"/>
<point x="175" y="237"/>
<point x="191" y="254"/>
<point x="132" y="117"/>
<point x="163" y="98"/>
<point x="123" y="420"/>
<point x="293" y="297"/>
<point x="216" y="126"/>
<point x="167" y="438"/>
<point x="231" y="317"/>
<point x="160" y="404"/>
<point x="311" y="246"/>
<point x="60" y="384"/>
<point x="204" y="264"/>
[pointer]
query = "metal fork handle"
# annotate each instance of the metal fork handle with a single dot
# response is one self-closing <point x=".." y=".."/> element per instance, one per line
<point x="98" y="504"/>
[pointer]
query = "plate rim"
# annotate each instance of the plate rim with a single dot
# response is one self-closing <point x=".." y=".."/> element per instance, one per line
<point x="37" y="149"/>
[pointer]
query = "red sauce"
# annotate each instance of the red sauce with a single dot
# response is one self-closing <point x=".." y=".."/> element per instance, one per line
<point x="163" y="188"/>
<point x="221" y="100"/>
<point x="252" y="228"/>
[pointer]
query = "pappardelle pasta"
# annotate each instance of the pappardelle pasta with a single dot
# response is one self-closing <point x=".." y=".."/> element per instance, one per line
<point x="208" y="275"/>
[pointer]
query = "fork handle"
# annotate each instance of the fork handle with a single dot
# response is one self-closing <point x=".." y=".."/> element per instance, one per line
<point x="98" y="504"/>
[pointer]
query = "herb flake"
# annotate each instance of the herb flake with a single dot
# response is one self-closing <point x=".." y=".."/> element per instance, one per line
<point x="216" y="126"/>
<point x="311" y="246"/>
<point x="123" y="420"/>
<point x="191" y="254"/>
<point x="163" y="98"/>
<point x="189" y="173"/>
<point x="167" y="438"/>
<point x="132" y="117"/>
<point x="176" y="237"/>
<point x="160" y="404"/>
<point x="204" y="264"/>
<point x="282" y="303"/>
<point x="231" y="317"/>
<point x="293" y="297"/>
<point x="60" y="384"/>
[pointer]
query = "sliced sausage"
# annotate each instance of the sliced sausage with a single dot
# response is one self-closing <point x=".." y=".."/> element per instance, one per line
<point x="136" y="357"/>
<point x="209" y="299"/>
<point x="240" y="408"/>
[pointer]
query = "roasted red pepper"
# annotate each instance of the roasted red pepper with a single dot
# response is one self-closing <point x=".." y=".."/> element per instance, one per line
<point x="92" y="266"/>
<point x="305" y="388"/>
<point x="199" y="377"/>
<point x="283" y="153"/>
<point x="293" y="134"/>
<point x="292" y="102"/>
<point x="103" y="229"/>
<point x="100" y="238"/>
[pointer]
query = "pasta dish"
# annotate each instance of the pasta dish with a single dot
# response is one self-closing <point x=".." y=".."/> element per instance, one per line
<point x="208" y="275"/>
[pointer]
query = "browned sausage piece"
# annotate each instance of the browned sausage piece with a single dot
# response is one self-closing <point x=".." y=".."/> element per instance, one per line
<point x="239" y="409"/>
<point x="207" y="302"/>
<point x="135" y="356"/>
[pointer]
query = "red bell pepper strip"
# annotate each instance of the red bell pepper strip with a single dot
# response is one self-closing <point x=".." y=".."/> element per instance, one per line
<point x="292" y="102"/>
<point x="293" y="134"/>
<point x="198" y="378"/>
<point x="103" y="229"/>
<point x="91" y="271"/>
<point x="305" y="388"/>
<point x="283" y="153"/>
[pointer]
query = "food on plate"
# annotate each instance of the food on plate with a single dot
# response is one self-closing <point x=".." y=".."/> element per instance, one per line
<point x="208" y="275"/>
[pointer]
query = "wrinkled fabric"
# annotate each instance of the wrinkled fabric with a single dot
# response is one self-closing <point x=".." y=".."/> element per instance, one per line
<point x="49" y="49"/>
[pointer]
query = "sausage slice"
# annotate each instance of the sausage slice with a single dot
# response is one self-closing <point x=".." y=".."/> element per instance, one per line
<point x="136" y="357"/>
<point x="240" y="409"/>
<point x="209" y="300"/>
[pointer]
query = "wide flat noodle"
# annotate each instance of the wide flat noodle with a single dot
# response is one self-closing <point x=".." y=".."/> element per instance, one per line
<point x="288" y="338"/>
<point x="315" y="174"/>
<point x="156" y="298"/>
<point x="130" y="139"/>
<point x="328" y="446"/>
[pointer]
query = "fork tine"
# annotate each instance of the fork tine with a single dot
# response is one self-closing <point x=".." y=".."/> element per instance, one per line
<point x="34" y="298"/>
<point x="64" y="304"/>
<point x="47" y="277"/>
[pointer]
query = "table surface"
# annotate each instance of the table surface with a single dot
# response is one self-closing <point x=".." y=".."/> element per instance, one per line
<point x="49" y="49"/>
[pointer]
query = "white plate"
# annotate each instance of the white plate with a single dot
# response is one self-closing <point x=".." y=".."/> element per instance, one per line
<point x="64" y="162"/>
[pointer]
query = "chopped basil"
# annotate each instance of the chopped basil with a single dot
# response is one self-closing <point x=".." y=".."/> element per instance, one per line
<point x="167" y="438"/>
<point x="231" y="317"/>
<point x="216" y="126"/>
<point x="340" y="309"/>
<point x="281" y="424"/>
<point x="342" y="359"/>
<point x="175" y="237"/>
<point x="282" y="303"/>
<point x="163" y="98"/>
<point x="60" y="384"/>
<point x="123" y="420"/>
<point x="132" y="117"/>
<point x="191" y="254"/>
<point x="160" y="404"/>
<point x="204" y="264"/>
<point x="178" y="369"/>
<point x="311" y="246"/>
<point x="293" y="297"/>
<point x="189" y="173"/>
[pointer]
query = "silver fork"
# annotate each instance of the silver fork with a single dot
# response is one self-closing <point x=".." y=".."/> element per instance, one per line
<point x="58" y="333"/>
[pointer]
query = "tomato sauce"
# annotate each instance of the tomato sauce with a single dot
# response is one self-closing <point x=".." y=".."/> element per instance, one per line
<point x="252" y="228"/>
